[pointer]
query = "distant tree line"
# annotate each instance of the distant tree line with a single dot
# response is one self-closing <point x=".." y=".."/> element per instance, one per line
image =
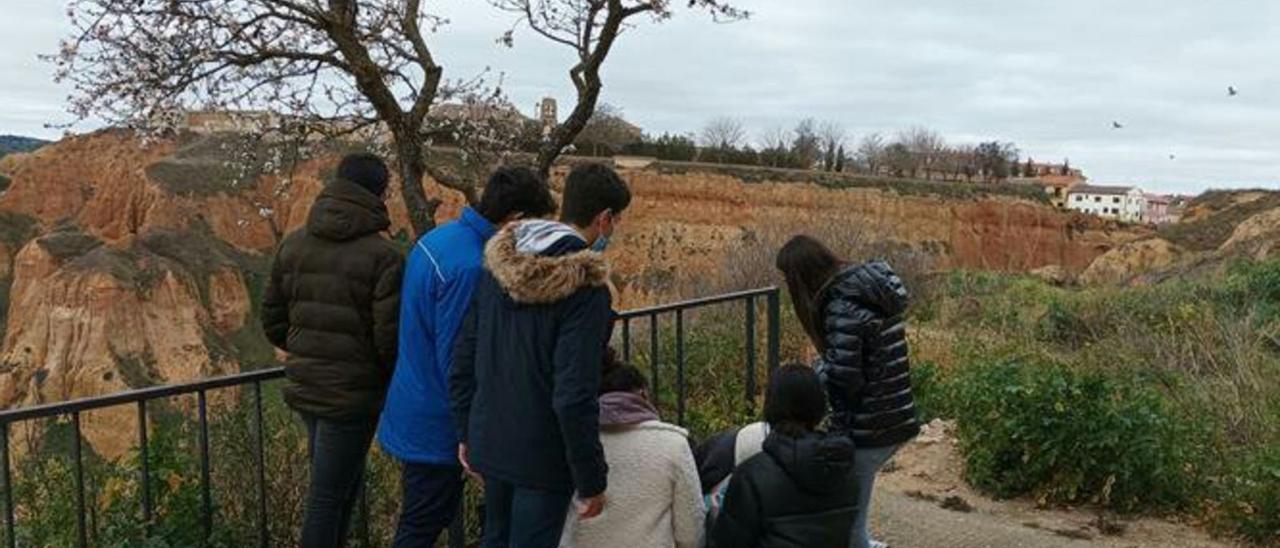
<point x="917" y="152"/>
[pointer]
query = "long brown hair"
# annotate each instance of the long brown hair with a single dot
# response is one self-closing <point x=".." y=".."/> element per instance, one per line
<point x="807" y="265"/>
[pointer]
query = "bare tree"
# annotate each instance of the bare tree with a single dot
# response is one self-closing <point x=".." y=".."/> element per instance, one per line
<point x="775" y="147"/>
<point x="334" y="67"/>
<point x="723" y="133"/>
<point x="590" y="27"/>
<point x="926" y="147"/>
<point x="776" y="137"/>
<point x="609" y="129"/>
<point x="870" y="151"/>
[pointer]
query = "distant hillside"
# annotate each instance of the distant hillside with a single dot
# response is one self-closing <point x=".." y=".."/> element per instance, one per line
<point x="10" y="144"/>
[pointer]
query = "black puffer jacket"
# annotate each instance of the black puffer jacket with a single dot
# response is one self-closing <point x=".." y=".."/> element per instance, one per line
<point x="864" y="363"/>
<point x="333" y="303"/>
<point x="798" y="493"/>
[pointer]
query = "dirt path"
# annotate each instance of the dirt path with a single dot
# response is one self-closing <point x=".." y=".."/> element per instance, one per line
<point x="921" y="502"/>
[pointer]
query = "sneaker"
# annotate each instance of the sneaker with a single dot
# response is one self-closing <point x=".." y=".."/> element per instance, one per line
<point x="878" y="544"/>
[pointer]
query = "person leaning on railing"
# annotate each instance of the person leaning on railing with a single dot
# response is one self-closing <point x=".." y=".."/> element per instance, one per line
<point x="417" y="427"/>
<point x="333" y="303"/>
<point x="855" y="314"/>
<point x="526" y="367"/>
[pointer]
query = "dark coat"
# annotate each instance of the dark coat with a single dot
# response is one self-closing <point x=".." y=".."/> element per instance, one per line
<point x="526" y="365"/>
<point x="865" y="364"/>
<point x="333" y="304"/>
<point x="798" y="493"/>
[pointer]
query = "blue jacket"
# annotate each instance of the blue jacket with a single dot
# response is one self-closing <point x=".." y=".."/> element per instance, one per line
<point x="441" y="273"/>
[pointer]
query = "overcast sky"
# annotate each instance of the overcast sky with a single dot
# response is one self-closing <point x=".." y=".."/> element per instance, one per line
<point x="1049" y="76"/>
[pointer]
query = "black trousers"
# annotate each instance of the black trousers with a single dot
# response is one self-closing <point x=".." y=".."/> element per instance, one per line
<point x="431" y="495"/>
<point x="338" y="449"/>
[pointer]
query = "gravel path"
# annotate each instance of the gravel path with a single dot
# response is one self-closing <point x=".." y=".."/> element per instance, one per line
<point x="905" y="522"/>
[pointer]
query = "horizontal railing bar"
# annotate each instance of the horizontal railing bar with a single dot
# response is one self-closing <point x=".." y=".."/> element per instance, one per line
<point x="141" y="394"/>
<point x="237" y="379"/>
<point x="695" y="303"/>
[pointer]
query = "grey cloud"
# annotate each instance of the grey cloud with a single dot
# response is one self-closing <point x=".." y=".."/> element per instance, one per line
<point x="1049" y="76"/>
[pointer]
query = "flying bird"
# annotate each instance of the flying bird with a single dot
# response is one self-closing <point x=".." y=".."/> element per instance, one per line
<point x="1232" y="91"/>
<point x="1116" y="125"/>
<point x="1173" y="157"/>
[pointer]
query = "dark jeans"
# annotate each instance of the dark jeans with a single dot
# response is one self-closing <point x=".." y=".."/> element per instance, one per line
<point x="338" y="449"/>
<point x="516" y="517"/>
<point x="431" y="494"/>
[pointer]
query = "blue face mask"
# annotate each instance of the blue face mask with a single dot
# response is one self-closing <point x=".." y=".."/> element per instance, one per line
<point x="601" y="243"/>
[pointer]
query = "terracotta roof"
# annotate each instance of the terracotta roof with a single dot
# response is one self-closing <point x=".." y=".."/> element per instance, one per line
<point x="1060" y="181"/>
<point x="1103" y="190"/>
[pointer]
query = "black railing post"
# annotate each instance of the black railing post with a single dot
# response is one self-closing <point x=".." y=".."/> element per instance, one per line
<point x="9" y="527"/>
<point x="260" y="458"/>
<point x="81" y="530"/>
<point x="775" y="329"/>
<point x="206" y="499"/>
<point x="751" y="352"/>
<point x="144" y="475"/>
<point x="680" y="366"/>
<point x="626" y="339"/>
<point x="653" y="357"/>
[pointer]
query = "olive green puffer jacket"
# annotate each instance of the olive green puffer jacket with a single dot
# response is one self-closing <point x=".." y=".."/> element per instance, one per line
<point x="333" y="303"/>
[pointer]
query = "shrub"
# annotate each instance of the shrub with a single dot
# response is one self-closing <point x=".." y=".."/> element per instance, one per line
<point x="930" y="391"/>
<point x="1251" y="498"/>
<point x="1066" y="435"/>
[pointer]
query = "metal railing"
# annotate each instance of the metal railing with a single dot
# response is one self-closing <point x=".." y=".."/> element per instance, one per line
<point x="75" y="408"/>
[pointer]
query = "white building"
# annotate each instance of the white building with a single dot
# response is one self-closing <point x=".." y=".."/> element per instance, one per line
<point x="1122" y="203"/>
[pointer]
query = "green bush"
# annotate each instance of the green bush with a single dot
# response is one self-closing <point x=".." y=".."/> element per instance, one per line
<point x="1067" y="435"/>
<point x="1251" y="498"/>
<point x="930" y="391"/>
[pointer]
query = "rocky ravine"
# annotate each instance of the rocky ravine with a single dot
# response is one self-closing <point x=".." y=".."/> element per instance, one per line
<point x="123" y="265"/>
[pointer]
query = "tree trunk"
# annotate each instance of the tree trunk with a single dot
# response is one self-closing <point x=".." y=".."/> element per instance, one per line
<point x="422" y="210"/>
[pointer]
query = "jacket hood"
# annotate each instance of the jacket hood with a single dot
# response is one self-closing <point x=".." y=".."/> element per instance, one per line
<point x="873" y="284"/>
<point x="346" y="211"/>
<point x="625" y="409"/>
<point x="816" y="462"/>
<point x="541" y="237"/>
<point x="537" y="263"/>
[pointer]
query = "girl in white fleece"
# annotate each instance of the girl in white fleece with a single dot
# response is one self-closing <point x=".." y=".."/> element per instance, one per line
<point x="654" y="496"/>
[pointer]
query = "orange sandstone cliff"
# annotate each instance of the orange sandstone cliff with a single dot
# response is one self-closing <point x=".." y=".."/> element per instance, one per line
<point x="124" y="265"/>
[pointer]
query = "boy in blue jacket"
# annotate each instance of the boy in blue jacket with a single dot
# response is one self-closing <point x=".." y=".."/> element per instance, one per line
<point x="416" y="426"/>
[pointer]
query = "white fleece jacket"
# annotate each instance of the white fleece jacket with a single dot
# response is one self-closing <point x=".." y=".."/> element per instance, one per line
<point x="654" y="499"/>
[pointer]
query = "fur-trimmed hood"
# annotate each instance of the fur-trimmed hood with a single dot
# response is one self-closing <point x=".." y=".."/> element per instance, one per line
<point x="532" y="277"/>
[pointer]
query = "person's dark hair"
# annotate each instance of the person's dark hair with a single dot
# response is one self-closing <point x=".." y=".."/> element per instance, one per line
<point x="807" y="265"/>
<point x="794" y="402"/>
<point x="619" y="376"/>
<point x="515" y="190"/>
<point x="590" y="189"/>
<point x="367" y="170"/>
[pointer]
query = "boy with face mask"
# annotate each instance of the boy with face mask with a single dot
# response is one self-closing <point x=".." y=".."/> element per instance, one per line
<point x="526" y="368"/>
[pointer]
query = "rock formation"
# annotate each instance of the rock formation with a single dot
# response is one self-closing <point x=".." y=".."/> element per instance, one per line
<point x="124" y="264"/>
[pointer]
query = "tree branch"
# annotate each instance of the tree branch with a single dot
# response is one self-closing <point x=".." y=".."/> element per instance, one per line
<point x="432" y="71"/>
